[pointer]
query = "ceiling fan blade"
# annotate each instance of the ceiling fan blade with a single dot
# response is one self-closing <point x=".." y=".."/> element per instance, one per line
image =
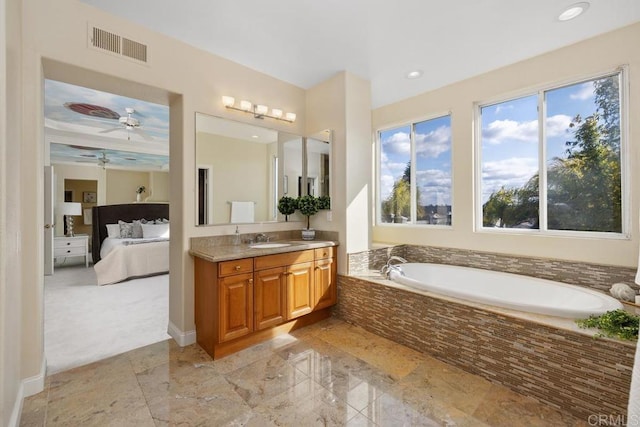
<point x="143" y="134"/>
<point x="110" y="130"/>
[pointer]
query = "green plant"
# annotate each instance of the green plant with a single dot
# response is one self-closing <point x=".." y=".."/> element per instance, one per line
<point x="616" y="323"/>
<point x="286" y="206"/>
<point x="308" y="205"/>
<point x="324" y="202"/>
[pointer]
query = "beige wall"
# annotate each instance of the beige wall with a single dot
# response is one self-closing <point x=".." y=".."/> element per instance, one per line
<point x="241" y="171"/>
<point x="597" y="55"/>
<point x="54" y="45"/>
<point x="11" y="291"/>
<point x="158" y="190"/>
<point x="122" y="185"/>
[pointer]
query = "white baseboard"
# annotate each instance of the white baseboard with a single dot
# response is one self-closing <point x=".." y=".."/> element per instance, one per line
<point x="182" y="338"/>
<point x="14" y="421"/>
<point x="34" y="385"/>
<point x="28" y="387"/>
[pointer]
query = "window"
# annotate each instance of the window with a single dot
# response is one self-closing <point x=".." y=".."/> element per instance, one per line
<point x="420" y="194"/>
<point x="552" y="161"/>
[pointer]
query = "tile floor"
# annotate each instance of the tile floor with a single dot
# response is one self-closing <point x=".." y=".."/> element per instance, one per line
<point x="330" y="373"/>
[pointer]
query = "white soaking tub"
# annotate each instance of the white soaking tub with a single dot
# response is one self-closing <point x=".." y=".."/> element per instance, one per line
<point x="513" y="291"/>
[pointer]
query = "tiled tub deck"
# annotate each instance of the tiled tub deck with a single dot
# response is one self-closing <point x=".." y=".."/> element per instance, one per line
<point x="551" y="360"/>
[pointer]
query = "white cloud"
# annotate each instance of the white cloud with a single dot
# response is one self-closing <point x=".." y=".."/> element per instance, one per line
<point x="434" y="186"/>
<point x="386" y="186"/>
<point x="584" y="92"/>
<point x="500" y="108"/>
<point x="434" y="143"/>
<point x="500" y="131"/>
<point x="398" y="143"/>
<point x="557" y="125"/>
<point x="508" y="173"/>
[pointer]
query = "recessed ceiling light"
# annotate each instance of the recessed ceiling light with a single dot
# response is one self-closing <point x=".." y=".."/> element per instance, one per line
<point x="414" y="74"/>
<point x="254" y="136"/>
<point x="573" y="11"/>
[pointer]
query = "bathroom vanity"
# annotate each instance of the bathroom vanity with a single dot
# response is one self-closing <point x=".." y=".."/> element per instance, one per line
<point x="245" y="295"/>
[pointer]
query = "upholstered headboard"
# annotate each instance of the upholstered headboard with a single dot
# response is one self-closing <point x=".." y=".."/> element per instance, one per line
<point x="110" y="214"/>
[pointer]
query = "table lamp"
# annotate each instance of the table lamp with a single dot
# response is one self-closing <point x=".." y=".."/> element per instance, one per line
<point x="69" y="210"/>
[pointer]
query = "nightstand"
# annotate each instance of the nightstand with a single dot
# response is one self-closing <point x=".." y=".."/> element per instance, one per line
<point x="78" y="245"/>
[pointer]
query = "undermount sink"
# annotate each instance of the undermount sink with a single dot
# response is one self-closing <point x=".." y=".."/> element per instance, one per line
<point x="269" y="245"/>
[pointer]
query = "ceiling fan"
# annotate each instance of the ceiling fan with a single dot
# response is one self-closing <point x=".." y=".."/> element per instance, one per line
<point x="130" y="123"/>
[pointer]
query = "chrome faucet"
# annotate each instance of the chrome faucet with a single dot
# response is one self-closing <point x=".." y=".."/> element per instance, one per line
<point x="262" y="238"/>
<point x="390" y="266"/>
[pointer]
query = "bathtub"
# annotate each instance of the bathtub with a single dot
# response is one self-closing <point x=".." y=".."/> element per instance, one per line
<point x="512" y="291"/>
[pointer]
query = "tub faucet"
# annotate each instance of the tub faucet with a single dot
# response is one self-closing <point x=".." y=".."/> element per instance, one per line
<point x="390" y="266"/>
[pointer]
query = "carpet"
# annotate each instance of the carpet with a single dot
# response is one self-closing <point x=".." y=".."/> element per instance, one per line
<point x="84" y="322"/>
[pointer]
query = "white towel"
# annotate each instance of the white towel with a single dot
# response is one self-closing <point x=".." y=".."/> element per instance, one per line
<point x="242" y="212"/>
<point x="633" y="411"/>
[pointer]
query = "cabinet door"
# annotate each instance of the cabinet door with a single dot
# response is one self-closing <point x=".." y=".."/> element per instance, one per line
<point x="236" y="306"/>
<point x="269" y="298"/>
<point x="299" y="289"/>
<point x="325" y="283"/>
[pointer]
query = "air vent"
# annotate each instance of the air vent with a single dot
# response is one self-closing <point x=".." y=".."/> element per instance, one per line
<point x="108" y="41"/>
<point x="105" y="40"/>
<point x="134" y="50"/>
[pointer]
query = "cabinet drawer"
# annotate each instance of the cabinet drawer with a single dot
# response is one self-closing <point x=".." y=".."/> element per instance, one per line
<point x="280" y="260"/>
<point x="322" y="253"/>
<point x="237" y="266"/>
<point x="69" y="251"/>
<point x="67" y="243"/>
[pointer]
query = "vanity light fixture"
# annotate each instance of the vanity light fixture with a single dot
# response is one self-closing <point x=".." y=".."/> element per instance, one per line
<point x="259" y="111"/>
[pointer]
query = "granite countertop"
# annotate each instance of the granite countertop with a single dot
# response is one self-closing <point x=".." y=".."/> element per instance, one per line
<point x="214" y="253"/>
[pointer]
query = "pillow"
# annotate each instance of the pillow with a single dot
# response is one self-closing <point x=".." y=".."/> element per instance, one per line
<point x="113" y="231"/>
<point x="126" y="229"/>
<point x="162" y="221"/>
<point x="155" y="230"/>
<point x="136" y="231"/>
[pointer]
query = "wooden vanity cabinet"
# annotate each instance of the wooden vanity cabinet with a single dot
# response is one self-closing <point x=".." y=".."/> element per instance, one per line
<point x="325" y="286"/>
<point x="270" y="297"/>
<point x="242" y="302"/>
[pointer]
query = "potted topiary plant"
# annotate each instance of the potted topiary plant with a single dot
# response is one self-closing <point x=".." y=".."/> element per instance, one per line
<point x="324" y="202"/>
<point x="287" y="206"/>
<point x="308" y="205"/>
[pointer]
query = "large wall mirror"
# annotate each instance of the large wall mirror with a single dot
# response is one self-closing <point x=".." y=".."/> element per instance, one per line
<point x="242" y="170"/>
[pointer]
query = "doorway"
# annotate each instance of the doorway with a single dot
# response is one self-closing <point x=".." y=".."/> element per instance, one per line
<point x="92" y="167"/>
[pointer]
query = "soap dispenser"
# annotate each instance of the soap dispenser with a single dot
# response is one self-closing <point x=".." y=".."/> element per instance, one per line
<point x="236" y="240"/>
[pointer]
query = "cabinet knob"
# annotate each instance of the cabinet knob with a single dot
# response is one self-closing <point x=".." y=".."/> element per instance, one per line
<point x="250" y="280"/>
<point x="237" y="267"/>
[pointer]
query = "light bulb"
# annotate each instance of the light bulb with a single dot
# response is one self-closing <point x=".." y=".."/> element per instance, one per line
<point x="291" y="117"/>
<point x="228" y="101"/>
<point x="276" y="112"/>
<point x="262" y="109"/>
<point x="245" y="105"/>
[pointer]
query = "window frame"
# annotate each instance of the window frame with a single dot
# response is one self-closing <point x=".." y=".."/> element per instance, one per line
<point x="540" y="91"/>
<point x="378" y="152"/>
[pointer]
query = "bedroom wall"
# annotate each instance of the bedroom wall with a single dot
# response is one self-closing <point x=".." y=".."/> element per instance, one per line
<point x="596" y="55"/>
<point x="158" y="187"/>
<point x="122" y="185"/>
<point x="62" y="173"/>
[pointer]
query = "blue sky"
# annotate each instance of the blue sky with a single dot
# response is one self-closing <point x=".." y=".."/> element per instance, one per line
<point x="509" y="148"/>
<point x="433" y="159"/>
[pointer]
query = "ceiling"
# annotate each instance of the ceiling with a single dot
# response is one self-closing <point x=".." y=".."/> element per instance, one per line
<point x="83" y="125"/>
<point x="304" y="42"/>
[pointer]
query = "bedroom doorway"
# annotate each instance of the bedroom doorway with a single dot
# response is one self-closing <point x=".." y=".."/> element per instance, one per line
<point x="108" y="154"/>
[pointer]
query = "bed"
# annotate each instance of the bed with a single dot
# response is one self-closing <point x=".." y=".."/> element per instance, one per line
<point x="118" y="259"/>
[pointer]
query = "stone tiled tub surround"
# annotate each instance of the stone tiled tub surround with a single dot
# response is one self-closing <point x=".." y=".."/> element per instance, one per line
<point x="595" y="276"/>
<point x="565" y="369"/>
